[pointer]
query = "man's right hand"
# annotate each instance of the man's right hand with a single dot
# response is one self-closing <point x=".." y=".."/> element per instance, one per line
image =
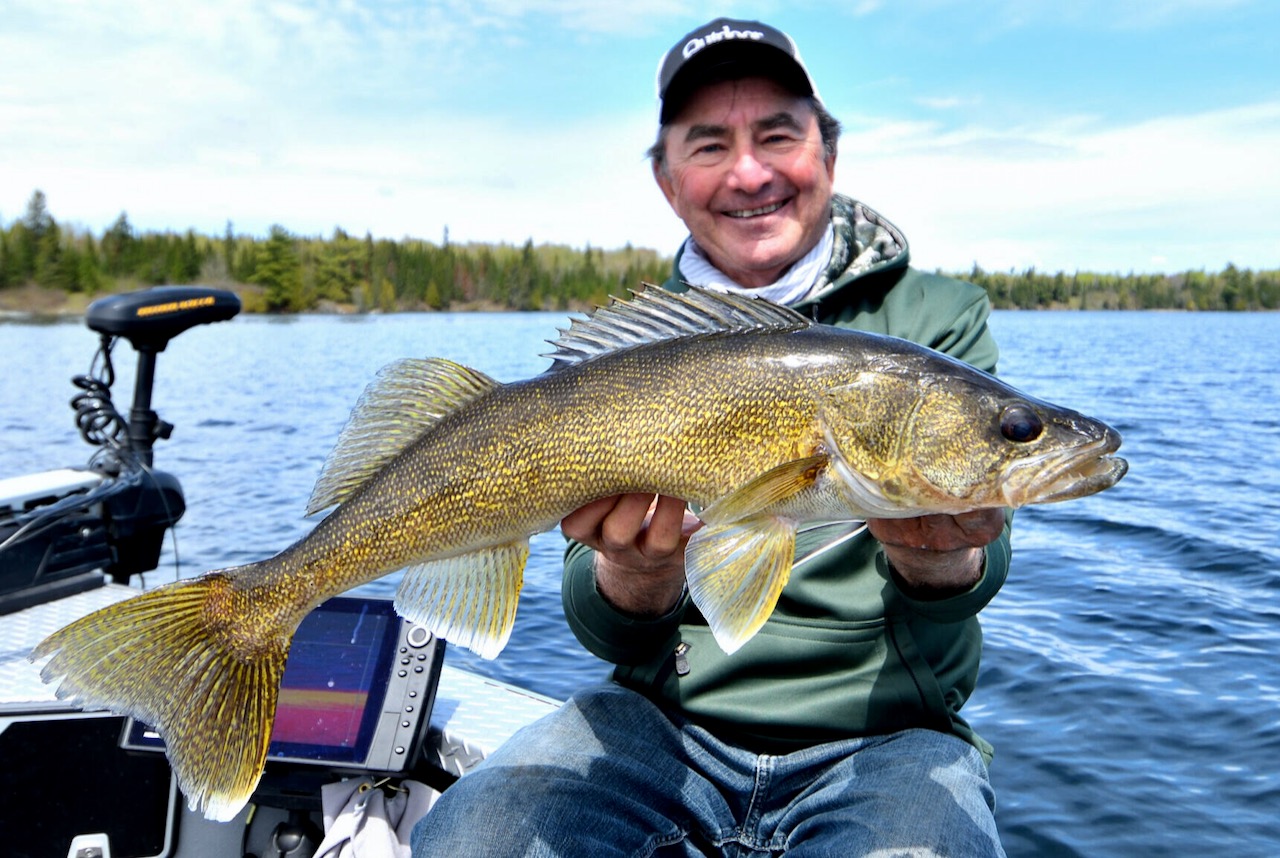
<point x="639" y="540"/>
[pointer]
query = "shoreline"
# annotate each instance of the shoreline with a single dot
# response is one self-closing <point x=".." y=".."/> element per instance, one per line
<point x="40" y="303"/>
<point x="33" y="303"/>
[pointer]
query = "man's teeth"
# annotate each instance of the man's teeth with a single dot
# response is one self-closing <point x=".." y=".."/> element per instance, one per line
<point x="753" y="212"/>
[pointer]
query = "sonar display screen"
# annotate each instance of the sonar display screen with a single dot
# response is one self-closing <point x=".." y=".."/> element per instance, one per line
<point x="334" y="682"/>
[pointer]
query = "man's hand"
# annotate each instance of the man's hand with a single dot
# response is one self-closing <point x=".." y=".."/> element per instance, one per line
<point x="639" y="541"/>
<point x="938" y="555"/>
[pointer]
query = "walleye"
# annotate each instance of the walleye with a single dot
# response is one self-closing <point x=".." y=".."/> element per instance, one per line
<point x="762" y="418"/>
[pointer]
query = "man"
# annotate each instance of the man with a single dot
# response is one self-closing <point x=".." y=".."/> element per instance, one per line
<point x="836" y="730"/>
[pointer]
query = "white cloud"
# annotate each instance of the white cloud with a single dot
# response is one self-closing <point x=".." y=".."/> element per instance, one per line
<point x="489" y="180"/>
<point x="1198" y="190"/>
<point x="944" y="102"/>
<point x="865" y="7"/>
<point x="1149" y="14"/>
<point x="1166" y="194"/>
<point x="189" y="114"/>
<point x="1000" y="16"/>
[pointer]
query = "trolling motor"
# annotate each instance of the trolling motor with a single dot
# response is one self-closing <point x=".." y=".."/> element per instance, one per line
<point x="60" y="530"/>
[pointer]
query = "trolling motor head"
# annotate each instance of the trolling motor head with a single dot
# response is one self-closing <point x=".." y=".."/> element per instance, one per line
<point x="148" y="320"/>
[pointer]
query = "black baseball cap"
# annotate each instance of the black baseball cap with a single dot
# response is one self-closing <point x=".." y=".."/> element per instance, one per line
<point x="725" y="49"/>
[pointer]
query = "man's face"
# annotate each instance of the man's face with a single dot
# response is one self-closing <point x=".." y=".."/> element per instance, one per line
<point x="748" y="174"/>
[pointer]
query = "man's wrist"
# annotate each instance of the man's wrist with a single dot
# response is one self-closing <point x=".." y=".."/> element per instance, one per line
<point x="636" y="603"/>
<point x="939" y="578"/>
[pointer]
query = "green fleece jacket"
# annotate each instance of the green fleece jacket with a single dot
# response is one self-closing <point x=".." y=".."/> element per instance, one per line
<point x="847" y="652"/>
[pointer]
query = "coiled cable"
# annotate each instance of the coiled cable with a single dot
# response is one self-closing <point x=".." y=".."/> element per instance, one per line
<point x="99" y="422"/>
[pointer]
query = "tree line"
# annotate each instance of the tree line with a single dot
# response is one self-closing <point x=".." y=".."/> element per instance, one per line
<point x="290" y="273"/>
<point x="283" y="272"/>
<point x="1230" y="289"/>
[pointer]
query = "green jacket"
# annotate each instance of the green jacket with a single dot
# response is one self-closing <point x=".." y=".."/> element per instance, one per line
<point x="846" y="653"/>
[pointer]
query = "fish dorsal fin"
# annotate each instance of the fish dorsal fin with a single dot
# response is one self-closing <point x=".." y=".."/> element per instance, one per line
<point x="406" y="399"/>
<point x="654" y="314"/>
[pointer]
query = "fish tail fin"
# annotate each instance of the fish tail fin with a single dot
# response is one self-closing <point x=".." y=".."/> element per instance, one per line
<point x="173" y="658"/>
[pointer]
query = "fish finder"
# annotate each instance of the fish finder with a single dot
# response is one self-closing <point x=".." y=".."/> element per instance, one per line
<point x="356" y="695"/>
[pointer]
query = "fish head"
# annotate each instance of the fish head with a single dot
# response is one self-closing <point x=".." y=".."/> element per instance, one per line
<point x="910" y="440"/>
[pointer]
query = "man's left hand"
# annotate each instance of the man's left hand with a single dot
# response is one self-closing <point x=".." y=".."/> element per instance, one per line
<point x="938" y="555"/>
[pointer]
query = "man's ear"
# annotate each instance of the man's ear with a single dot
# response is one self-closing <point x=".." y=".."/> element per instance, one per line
<point x="663" y="178"/>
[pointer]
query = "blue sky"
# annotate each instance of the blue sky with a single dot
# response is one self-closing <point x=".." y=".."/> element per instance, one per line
<point x="1105" y="135"/>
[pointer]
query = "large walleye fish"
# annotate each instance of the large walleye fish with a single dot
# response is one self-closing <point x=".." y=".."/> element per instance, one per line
<point x="761" y="417"/>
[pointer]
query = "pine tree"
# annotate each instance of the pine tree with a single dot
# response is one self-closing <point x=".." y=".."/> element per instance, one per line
<point x="279" y="271"/>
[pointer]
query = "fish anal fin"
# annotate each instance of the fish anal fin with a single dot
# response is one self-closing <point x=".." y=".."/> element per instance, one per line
<point x="468" y="600"/>
<point x="736" y="573"/>
<point x="406" y="399"/>
<point x="162" y="657"/>
<point x="768" y="492"/>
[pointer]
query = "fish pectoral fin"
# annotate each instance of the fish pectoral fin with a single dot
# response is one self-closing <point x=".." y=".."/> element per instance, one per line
<point x="468" y="600"/>
<point x="767" y="491"/>
<point x="736" y="572"/>
<point x="165" y="657"/>
<point x="406" y="399"/>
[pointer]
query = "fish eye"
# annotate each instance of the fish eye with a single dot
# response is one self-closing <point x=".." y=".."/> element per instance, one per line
<point x="1020" y="424"/>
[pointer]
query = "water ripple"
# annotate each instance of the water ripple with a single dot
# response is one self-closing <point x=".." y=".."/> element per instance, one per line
<point x="1131" y="673"/>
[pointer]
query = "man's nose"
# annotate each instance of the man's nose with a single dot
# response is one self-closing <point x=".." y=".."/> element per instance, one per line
<point x="749" y="172"/>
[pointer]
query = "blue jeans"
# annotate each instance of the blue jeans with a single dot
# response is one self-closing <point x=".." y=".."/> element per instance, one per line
<point x="612" y="774"/>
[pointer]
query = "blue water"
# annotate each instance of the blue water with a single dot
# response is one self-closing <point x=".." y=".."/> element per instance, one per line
<point x="1131" y="678"/>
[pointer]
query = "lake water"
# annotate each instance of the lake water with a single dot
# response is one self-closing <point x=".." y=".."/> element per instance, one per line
<point x="1131" y="678"/>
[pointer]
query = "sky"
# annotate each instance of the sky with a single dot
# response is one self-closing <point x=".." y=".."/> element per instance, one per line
<point x="1092" y="135"/>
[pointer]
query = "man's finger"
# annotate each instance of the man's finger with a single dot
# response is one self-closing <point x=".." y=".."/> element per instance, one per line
<point x="621" y="527"/>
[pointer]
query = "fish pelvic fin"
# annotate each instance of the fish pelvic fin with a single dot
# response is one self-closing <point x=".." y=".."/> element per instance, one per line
<point x="736" y="572"/>
<point x="468" y="600"/>
<point x="404" y="402"/>
<point x="738" y="563"/>
<point x="169" y="657"/>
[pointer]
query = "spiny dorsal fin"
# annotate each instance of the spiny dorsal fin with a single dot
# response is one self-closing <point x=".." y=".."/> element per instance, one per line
<point x="406" y="399"/>
<point x="654" y="314"/>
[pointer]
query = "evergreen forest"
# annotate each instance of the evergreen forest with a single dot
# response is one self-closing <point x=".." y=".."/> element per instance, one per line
<point x="287" y="273"/>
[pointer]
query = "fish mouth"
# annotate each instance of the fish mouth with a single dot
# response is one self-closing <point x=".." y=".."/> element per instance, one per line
<point x="1065" y="474"/>
<point x="756" y="212"/>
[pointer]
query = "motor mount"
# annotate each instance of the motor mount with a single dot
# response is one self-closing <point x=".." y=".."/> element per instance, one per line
<point x="60" y="530"/>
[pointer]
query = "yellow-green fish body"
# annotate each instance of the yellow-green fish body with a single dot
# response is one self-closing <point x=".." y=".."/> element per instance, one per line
<point x="761" y="418"/>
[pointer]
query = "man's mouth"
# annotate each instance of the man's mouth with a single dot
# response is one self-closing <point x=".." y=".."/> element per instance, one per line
<point x="762" y="210"/>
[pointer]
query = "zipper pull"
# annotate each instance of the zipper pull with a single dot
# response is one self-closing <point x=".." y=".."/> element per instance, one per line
<point x="682" y="659"/>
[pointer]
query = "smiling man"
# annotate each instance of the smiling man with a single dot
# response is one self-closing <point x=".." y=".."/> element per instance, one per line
<point x="836" y="730"/>
<point x="744" y="166"/>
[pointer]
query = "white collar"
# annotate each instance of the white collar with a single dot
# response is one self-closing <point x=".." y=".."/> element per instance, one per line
<point x="795" y="284"/>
